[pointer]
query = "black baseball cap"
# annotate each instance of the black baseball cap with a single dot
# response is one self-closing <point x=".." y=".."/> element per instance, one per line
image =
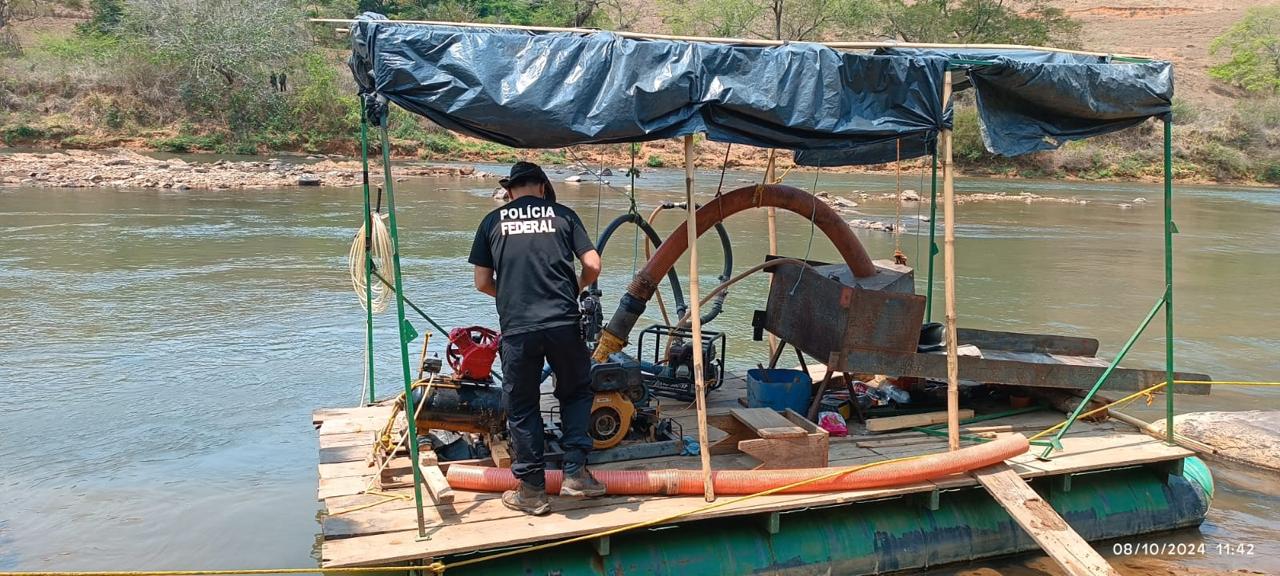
<point x="525" y="173"/>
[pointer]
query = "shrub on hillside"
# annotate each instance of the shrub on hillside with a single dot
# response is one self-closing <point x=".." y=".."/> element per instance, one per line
<point x="1253" y="44"/>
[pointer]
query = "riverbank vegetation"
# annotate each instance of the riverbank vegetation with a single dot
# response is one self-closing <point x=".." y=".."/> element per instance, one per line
<point x="253" y="77"/>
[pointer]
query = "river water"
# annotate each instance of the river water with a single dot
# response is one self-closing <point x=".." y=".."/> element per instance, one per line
<point x="162" y="351"/>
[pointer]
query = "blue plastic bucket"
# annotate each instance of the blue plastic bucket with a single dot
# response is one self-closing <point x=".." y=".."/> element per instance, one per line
<point x="778" y="389"/>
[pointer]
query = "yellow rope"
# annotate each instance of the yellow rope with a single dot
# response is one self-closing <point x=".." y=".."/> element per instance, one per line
<point x="1147" y="392"/>
<point x="1126" y="399"/>
<point x="1226" y="383"/>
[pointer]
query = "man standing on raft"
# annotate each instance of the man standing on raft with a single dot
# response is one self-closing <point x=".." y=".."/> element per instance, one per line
<point x="524" y="256"/>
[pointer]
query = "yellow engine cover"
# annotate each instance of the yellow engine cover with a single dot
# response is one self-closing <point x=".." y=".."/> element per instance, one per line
<point x="611" y="414"/>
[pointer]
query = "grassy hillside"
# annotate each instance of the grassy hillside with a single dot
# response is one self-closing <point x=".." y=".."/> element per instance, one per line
<point x="66" y="88"/>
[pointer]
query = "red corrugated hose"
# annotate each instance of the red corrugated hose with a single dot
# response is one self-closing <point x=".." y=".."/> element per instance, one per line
<point x="739" y="482"/>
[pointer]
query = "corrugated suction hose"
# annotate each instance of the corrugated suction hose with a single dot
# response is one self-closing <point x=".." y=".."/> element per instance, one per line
<point x="738" y="482"/>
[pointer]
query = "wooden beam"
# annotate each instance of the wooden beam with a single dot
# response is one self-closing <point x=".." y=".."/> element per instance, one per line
<point x="767" y="423"/>
<point x="949" y="276"/>
<point x="742" y="41"/>
<point x="1042" y="522"/>
<point x="913" y="420"/>
<point x="437" y="486"/>
<point x="773" y="234"/>
<point x="695" y="320"/>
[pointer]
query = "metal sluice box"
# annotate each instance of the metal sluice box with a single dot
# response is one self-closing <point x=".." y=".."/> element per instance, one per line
<point x="872" y="326"/>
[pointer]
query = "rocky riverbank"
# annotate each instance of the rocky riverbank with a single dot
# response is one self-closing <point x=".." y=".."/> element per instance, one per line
<point x="124" y="168"/>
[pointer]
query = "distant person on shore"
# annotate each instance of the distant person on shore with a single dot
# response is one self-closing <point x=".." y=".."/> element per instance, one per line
<point x="524" y="256"/>
<point x="275" y="83"/>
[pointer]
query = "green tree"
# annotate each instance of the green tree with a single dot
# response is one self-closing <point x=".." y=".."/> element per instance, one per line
<point x="796" y="20"/>
<point x="230" y="43"/>
<point x="104" y="17"/>
<point x="1031" y="22"/>
<point x="1254" y="46"/>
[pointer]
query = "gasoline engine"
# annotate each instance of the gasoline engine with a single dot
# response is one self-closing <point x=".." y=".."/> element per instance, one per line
<point x="470" y="398"/>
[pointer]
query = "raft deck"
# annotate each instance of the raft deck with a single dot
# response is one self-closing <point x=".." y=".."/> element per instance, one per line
<point x="362" y="529"/>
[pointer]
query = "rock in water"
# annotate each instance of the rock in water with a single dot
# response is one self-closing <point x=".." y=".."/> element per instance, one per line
<point x="1251" y="437"/>
<point x="308" y="180"/>
<point x="910" y="196"/>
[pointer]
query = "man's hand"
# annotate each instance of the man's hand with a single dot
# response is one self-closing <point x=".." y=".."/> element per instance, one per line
<point x="590" y="269"/>
<point x="485" y="282"/>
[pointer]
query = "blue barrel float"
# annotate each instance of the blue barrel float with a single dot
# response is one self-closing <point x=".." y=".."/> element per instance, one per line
<point x="778" y="389"/>
<point x="890" y="535"/>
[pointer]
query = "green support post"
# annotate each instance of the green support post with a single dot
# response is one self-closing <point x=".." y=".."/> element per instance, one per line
<point x="1169" y="229"/>
<point x="368" y="253"/>
<point x="933" y="229"/>
<point x="1057" y="438"/>
<point x="409" y="410"/>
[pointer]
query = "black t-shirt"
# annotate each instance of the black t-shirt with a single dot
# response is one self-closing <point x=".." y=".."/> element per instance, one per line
<point x="532" y="243"/>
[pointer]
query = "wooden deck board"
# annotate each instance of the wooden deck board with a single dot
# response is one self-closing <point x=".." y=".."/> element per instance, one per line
<point x="386" y="531"/>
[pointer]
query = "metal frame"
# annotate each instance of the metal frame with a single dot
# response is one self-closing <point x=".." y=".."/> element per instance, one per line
<point x="405" y="331"/>
<point x="1165" y="302"/>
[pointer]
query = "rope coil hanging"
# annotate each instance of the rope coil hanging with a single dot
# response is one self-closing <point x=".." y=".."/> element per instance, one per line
<point x="381" y="252"/>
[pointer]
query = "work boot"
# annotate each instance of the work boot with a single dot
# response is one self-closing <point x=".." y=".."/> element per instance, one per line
<point x="528" y="499"/>
<point x="581" y="484"/>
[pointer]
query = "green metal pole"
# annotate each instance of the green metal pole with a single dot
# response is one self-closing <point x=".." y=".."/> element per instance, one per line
<point x="409" y="410"/>
<point x="1169" y="229"/>
<point x="933" y="229"/>
<point x="415" y="307"/>
<point x="368" y="253"/>
<point x="1057" y="438"/>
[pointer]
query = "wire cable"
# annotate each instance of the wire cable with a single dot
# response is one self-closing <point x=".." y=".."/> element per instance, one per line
<point x="378" y="244"/>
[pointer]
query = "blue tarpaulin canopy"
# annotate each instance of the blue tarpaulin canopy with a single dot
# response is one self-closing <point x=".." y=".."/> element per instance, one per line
<point x="558" y="89"/>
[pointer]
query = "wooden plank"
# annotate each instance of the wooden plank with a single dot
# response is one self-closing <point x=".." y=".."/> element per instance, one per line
<point x="437" y="487"/>
<point x="354" y="439"/>
<point x="1023" y="369"/>
<point x="345" y="469"/>
<point x="808" y="451"/>
<point x="499" y="452"/>
<point x="351" y="453"/>
<point x="1018" y="342"/>
<point x="330" y="487"/>
<point x="767" y="423"/>
<point x="351" y="425"/>
<point x="1042" y="523"/>
<point x="912" y="420"/>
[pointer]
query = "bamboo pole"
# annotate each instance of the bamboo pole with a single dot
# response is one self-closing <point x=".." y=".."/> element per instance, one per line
<point x="695" y="321"/>
<point x="740" y="41"/>
<point x="773" y="232"/>
<point x="949" y="277"/>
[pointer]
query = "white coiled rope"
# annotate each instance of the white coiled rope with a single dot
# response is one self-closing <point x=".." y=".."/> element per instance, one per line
<point x="382" y="262"/>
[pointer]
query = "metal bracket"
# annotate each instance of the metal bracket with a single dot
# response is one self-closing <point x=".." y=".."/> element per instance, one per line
<point x="601" y="546"/>
<point x="772" y="523"/>
<point x="1168" y="468"/>
<point x="931" y="500"/>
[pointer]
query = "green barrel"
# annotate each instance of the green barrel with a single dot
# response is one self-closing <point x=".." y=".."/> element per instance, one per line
<point x="881" y="536"/>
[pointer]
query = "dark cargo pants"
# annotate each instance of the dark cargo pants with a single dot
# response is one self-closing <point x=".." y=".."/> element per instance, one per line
<point x="522" y="357"/>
